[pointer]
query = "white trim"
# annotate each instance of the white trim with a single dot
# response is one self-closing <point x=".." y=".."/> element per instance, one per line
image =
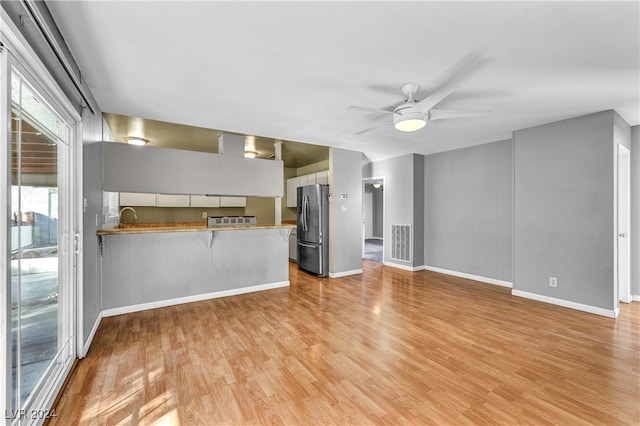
<point x="384" y="213"/>
<point x="567" y="304"/>
<point x="187" y="299"/>
<point x="5" y="234"/>
<point x="50" y="396"/>
<point x="404" y="267"/>
<point x="92" y="334"/>
<point x="635" y="298"/>
<point x="344" y="273"/>
<point x="470" y="276"/>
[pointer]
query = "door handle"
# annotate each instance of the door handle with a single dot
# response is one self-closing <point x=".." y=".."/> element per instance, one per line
<point x="621" y="235"/>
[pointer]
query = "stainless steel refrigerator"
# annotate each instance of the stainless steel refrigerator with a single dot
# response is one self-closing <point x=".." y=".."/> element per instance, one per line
<point x="313" y="229"/>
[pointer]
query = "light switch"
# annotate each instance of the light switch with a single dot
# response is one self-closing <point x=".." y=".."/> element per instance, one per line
<point x="343" y="208"/>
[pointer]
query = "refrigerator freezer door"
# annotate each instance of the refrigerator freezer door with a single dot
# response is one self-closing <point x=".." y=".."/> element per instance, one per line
<point x="310" y="258"/>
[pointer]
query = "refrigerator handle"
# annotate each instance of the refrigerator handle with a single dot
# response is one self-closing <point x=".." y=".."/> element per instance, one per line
<point x="306" y="216"/>
<point x="320" y="220"/>
<point x="304" y="213"/>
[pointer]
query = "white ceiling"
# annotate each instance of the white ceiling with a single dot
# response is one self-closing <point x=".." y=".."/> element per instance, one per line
<point x="290" y="70"/>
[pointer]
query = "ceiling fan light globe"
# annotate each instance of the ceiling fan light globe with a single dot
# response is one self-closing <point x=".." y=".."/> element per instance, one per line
<point x="407" y="119"/>
<point x="409" y="123"/>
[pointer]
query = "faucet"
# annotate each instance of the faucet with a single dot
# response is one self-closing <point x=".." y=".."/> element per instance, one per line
<point x="135" y="216"/>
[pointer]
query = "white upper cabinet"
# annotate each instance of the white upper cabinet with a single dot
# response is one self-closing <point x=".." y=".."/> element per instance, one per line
<point x="292" y="191"/>
<point x="165" y="200"/>
<point x="137" y="199"/>
<point x="322" y="177"/>
<point x="304" y="180"/>
<point x="205" y="201"/>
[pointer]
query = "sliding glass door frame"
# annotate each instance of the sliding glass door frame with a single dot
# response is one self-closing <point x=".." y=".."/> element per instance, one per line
<point x="17" y="58"/>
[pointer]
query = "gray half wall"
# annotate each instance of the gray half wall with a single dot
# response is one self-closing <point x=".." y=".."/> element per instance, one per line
<point x="468" y="210"/>
<point x="564" y="210"/>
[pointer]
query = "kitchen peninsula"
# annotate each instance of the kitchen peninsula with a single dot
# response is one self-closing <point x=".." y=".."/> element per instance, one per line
<point x="146" y="267"/>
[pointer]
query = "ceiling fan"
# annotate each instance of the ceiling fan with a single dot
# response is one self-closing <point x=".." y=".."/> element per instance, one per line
<point x="411" y="114"/>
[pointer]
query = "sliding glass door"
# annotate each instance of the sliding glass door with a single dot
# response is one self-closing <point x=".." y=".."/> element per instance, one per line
<point x="40" y="254"/>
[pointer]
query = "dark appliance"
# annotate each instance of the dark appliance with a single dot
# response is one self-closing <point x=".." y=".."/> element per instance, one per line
<point x="313" y="229"/>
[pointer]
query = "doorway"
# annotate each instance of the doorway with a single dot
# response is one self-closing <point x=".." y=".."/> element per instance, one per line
<point x="373" y="219"/>
<point x="39" y="258"/>
<point x="624" y="216"/>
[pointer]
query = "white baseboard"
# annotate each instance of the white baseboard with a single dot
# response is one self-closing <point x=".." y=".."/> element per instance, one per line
<point x="470" y="276"/>
<point x="404" y="267"/>
<point x="635" y="298"/>
<point x="92" y="334"/>
<point x="187" y="299"/>
<point x="344" y="273"/>
<point x="567" y="304"/>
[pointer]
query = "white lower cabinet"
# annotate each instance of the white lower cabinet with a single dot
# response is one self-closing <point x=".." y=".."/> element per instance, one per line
<point x="205" y="201"/>
<point x="170" y="200"/>
<point x="233" y="201"/>
<point x="165" y="200"/>
<point x="137" y="199"/>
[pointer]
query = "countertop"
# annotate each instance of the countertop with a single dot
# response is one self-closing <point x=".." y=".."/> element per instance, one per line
<point x="150" y="228"/>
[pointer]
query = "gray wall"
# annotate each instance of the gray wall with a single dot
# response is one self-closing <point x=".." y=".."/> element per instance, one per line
<point x="468" y="210"/>
<point x="635" y="212"/>
<point x="564" y="209"/>
<point x="94" y="130"/>
<point x="400" y="200"/>
<point x="345" y="237"/>
<point x="418" y="210"/>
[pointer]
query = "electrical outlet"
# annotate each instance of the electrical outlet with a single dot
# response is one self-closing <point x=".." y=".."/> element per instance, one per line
<point x="204" y="215"/>
<point x="553" y="282"/>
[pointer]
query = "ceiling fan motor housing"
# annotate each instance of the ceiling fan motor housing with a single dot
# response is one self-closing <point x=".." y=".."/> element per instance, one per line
<point x="407" y="119"/>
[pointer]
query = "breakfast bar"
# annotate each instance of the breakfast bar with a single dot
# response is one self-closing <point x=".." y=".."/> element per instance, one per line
<point x="156" y="265"/>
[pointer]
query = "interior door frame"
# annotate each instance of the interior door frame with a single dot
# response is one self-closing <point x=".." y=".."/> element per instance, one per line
<point x="623" y="222"/>
<point x="18" y="54"/>
<point x="371" y="180"/>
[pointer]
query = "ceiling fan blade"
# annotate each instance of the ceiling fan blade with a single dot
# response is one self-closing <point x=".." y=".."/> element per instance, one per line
<point x="428" y="103"/>
<point x="466" y="66"/>
<point x="365" y="109"/>
<point x="373" y="128"/>
<point x="441" y="114"/>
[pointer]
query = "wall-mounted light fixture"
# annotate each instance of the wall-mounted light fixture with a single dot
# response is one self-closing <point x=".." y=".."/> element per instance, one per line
<point x="377" y="185"/>
<point x="135" y="140"/>
<point x="250" y="154"/>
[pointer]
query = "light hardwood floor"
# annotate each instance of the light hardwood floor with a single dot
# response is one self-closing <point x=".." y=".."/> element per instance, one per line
<point x="385" y="347"/>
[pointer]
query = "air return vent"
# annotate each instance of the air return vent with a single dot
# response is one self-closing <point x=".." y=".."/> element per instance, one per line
<point x="401" y="242"/>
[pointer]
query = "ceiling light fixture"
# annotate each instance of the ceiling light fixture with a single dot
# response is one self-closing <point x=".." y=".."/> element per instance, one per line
<point x="409" y="121"/>
<point x="250" y="154"/>
<point x="135" y="140"/>
<point x="377" y="185"/>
